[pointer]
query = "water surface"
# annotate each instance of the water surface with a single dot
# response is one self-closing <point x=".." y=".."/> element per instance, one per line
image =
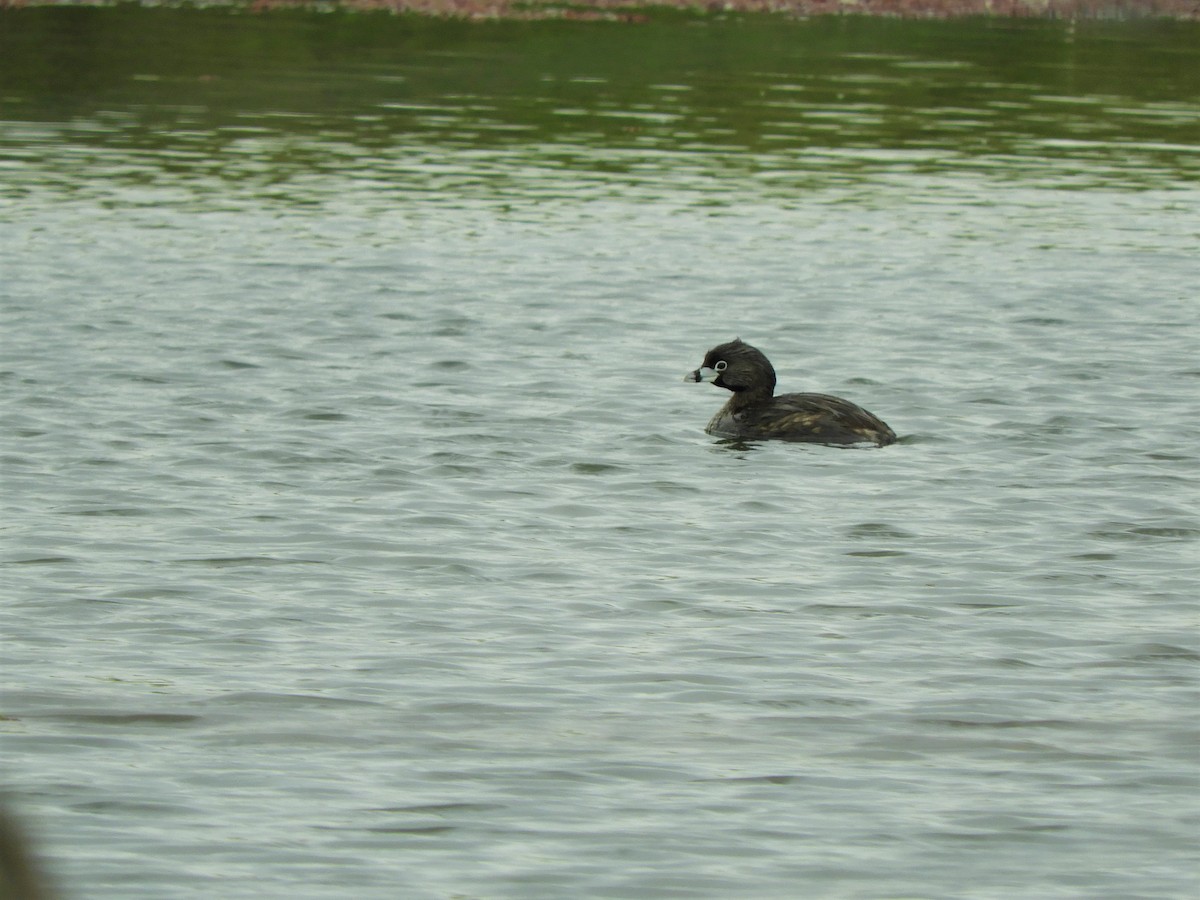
<point x="363" y="540"/>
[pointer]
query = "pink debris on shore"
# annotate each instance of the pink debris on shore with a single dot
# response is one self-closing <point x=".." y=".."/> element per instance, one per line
<point x="638" y="10"/>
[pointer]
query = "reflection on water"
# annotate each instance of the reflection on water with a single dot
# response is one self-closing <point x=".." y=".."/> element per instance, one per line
<point x="301" y="109"/>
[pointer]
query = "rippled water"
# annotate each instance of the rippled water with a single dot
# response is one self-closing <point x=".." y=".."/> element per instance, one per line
<point x="362" y="539"/>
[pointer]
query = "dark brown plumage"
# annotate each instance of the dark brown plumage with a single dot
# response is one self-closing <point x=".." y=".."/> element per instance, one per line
<point x="755" y="413"/>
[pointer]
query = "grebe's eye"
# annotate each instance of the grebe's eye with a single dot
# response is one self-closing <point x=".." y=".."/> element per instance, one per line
<point x="720" y="366"/>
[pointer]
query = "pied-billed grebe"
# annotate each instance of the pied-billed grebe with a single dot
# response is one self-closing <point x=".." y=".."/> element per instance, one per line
<point x="754" y="412"/>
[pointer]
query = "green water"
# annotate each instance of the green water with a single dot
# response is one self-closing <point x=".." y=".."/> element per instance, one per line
<point x="208" y="99"/>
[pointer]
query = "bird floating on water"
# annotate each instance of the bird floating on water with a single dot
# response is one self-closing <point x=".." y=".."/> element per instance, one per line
<point x="755" y="413"/>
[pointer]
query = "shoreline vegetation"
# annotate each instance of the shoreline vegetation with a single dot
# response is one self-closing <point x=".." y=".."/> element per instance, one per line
<point x="646" y="10"/>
